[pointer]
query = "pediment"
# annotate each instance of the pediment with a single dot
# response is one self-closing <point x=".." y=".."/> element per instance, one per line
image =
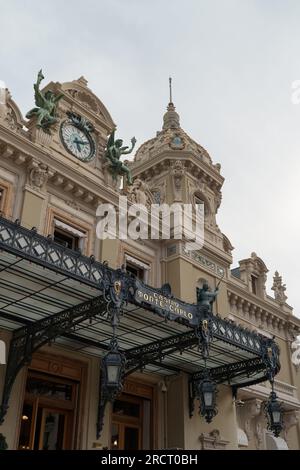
<point x="78" y="91"/>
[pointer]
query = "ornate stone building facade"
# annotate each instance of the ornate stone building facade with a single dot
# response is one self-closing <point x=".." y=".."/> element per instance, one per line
<point x="45" y="185"/>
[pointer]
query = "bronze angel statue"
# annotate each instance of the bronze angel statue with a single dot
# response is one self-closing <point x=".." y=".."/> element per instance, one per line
<point x="206" y="297"/>
<point x="46" y="105"/>
<point x="113" y="152"/>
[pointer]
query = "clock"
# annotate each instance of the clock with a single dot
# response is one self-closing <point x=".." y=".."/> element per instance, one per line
<point x="75" y="134"/>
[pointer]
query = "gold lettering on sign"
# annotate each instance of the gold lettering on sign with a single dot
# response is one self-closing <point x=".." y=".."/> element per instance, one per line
<point x="164" y="302"/>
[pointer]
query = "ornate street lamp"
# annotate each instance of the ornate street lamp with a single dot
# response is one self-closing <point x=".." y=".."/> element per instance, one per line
<point x="113" y="365"/>
<point x="274" y="413"/>
<point x="207" y="393"/>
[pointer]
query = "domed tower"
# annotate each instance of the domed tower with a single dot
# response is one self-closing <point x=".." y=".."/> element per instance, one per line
<point x="175" y="168"/>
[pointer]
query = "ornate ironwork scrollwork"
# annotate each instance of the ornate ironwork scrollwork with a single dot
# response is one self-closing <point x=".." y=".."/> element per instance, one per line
<point x="204" y="330"/>
<point x="270" y="354"/>
<point x="26" y="340"/>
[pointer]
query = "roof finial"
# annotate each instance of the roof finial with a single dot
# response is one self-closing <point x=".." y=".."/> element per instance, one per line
<point x="170" y="88"/>
<point x="171" y="118"/>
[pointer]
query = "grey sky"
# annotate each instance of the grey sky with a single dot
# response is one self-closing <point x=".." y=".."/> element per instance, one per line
<point x="232" y="63"/>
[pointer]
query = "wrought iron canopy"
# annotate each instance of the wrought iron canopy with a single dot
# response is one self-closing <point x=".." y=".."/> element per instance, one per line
<point x="48" y="292"/>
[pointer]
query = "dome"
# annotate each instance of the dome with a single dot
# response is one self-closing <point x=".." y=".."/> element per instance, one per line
<point x="172" y="138"/>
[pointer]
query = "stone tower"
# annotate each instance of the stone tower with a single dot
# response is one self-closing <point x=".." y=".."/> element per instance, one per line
<point x="175" y="168"/>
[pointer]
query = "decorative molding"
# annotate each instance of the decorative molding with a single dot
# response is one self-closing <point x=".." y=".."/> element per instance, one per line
<point x="13" y="155"/>
<point x="177" y="142"/>
<point x="74" y="190"/>
<point x="162" y="160"/>
<point x="262" y="317"/>
<point x="38" y="174"/>
<point x="139" y="389"/>
<point x="79" y="96"/>
<point x="85" y="99"/>
<point x="177" y="173"/>
<point x="204" y="261"/>
<point x="139" y="193"/>
<point x="10" y="114"/>
<point x="254" y="267"/>
<point x="212" y="440"/>
<point x="69" y="219"/>
<point x="7" y="198"/>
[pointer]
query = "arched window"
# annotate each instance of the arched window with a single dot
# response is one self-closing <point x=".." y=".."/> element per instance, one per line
<point x="199" y="198"/>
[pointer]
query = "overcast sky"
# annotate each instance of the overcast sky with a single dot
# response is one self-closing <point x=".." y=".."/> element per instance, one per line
<point x="232" y="63"/>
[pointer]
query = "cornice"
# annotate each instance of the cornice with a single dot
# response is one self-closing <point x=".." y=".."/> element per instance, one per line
<point x="262" y="391"/>
<point x="254" y="299"/>
<point x="219" y="255"/>
<point x="212" y="258"/>
<point x="249" y="305"/>
<point x="141" y="167"/>
<point x="83" y="185"/>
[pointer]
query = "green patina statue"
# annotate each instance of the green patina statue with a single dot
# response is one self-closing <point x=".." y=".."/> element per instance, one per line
<point x="46" y="105"/>
<point x="113" y="152"/>
<point x="206" y="297"/>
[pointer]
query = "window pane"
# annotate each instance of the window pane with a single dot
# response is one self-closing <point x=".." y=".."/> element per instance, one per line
<point x="50" y="389"/>
<point x="66" y="239"/>
<point x="53" y="432"/>
<point x="254" y="284"/>
<point x="125" y="408"/>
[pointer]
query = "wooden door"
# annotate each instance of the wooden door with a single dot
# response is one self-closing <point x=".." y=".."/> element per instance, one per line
<point x="56" y="429"/>
<point x="127" y="423"/>
<point x="48" y="416"/>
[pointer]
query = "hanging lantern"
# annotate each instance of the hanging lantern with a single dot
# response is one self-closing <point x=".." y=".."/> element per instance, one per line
<point x="113" y="365"/>
<point x="274" y="414"/>
<point x="207" y="393"/>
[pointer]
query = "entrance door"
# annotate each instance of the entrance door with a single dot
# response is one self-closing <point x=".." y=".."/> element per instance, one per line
<point x="47" y="419"/>
<point x="54" y="431"/>
<point x="127" y="423"/>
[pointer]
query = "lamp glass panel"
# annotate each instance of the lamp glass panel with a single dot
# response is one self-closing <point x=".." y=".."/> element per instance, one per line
<point x="276" y="416"/>
<point x="208" y="398"/>
<point x="112" y="373"/>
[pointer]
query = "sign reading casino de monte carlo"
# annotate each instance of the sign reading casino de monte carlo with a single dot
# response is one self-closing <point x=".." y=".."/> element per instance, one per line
<point x="166" y="305"/>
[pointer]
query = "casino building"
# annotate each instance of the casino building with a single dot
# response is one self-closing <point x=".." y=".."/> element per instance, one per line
<point x="106" y="343"/>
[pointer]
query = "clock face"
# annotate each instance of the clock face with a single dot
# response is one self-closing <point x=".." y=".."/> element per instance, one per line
<point x="77" y="141"/>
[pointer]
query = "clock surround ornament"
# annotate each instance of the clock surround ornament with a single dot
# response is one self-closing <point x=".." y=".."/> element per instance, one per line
<point x="75" y="134"/>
